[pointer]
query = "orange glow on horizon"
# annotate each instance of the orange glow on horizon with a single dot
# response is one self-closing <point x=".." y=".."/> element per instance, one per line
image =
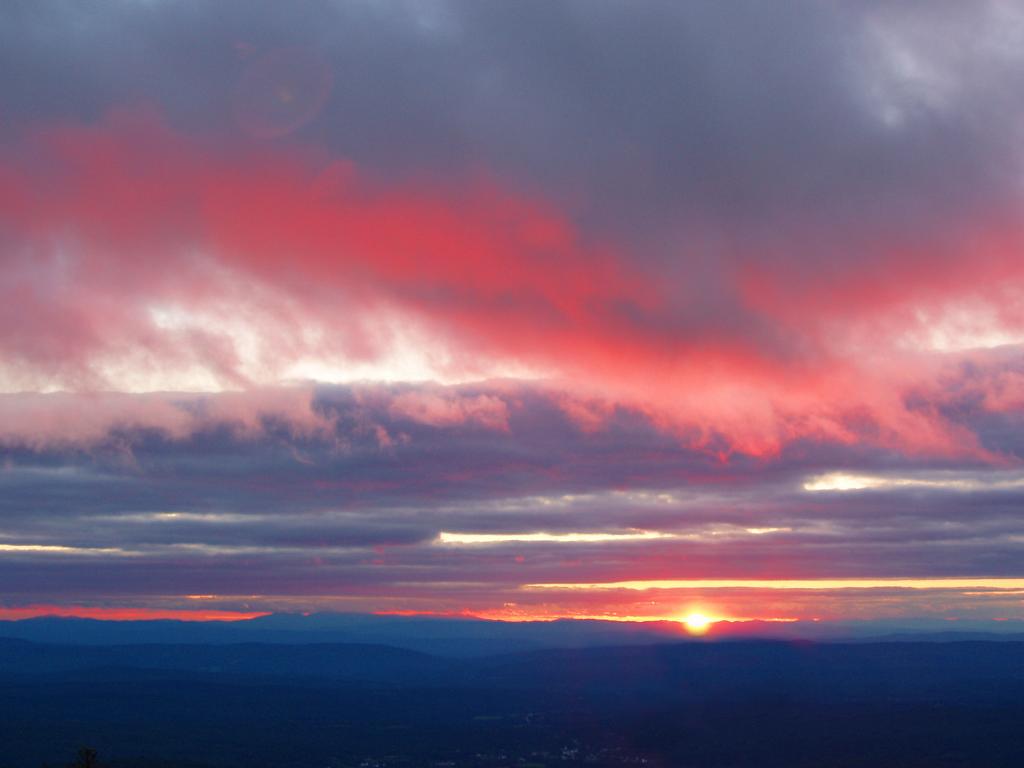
<point x="694" y="623"/>
<point x="516" y="616"/>
<point x="123" y="614"/>
<point x="697" y="623"/>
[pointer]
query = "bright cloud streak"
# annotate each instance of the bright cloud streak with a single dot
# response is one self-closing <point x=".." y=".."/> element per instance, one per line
<point x="57" y="549"/>
<point x="540" y="537"/>
<point x="840" y="481"/>
<point x="808" y="584"/>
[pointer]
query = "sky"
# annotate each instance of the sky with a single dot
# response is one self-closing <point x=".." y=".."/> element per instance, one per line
<point x="613" y="309"/>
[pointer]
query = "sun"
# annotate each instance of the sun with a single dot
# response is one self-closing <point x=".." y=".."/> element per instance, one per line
<point x="696" y="623"/>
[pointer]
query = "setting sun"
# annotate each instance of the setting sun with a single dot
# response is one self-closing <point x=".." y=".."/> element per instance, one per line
<point x="696" y="623"/>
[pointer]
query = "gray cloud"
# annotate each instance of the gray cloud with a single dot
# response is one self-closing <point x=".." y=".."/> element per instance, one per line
<point x="682" y="114"/>
<point x="282" y="512"/>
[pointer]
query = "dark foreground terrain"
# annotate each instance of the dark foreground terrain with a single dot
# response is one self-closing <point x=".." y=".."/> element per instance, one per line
<point x="750" y="703"/>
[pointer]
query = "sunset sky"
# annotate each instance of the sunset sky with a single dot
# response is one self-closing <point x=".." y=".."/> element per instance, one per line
<point x="512" y="309"/>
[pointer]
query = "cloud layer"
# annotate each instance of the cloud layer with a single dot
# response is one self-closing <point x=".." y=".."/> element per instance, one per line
<point x="287" y="293"/>
<point x="349" y="498"/>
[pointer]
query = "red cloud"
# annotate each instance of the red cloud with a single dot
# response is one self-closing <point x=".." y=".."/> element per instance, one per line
<point x="119" y="230"/>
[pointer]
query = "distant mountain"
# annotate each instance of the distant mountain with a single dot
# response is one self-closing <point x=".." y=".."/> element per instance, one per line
<point x="439" y="635"/>
<point x="468" y="637"/>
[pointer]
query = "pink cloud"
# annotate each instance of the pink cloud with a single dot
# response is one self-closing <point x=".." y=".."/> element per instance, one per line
<point x="247" y="253"/>
<point x="41" y="421"/>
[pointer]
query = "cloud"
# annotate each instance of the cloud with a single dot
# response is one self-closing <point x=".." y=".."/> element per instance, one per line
<point x="439" y="410"/>
<point x="47" y="421"/>
<point x="674" y="261"/>
<point x="254" y="262"/>
<point x="446" y="537"/>
<point x="293" y="496"/>
<point x="838" y="481"/>
<point x="808" y="584"/>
